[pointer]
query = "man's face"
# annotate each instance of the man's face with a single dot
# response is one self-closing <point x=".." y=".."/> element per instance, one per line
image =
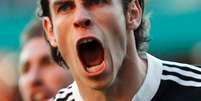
<point x="40" y="77"/>
<point x="91" y="36"/>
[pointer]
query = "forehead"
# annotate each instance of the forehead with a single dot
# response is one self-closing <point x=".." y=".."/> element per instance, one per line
<point x="35" y="48"/>
<point x="57" y="1"/>
<point x="52" y="2"/>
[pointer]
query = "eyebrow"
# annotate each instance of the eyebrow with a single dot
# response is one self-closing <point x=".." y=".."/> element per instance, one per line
<point x="59" y="2"/>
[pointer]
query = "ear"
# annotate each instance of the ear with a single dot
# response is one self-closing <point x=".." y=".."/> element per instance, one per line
<point x="134" y="15"/>
<point x="51" y="37"/>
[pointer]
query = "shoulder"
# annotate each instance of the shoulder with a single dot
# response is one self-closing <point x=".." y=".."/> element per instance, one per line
<point x="65" y="94"/>
<point x="183" y="74"/>
<point x="179" y="82"/>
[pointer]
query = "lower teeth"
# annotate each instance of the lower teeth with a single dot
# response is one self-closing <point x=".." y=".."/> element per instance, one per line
<point x="93" y="68"/>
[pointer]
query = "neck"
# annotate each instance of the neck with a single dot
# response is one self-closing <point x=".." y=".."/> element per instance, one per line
<point x="128" y="80"/>
<point x="134" y="70"/>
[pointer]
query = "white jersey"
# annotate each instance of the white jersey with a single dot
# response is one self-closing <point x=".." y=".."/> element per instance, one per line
<point x="164" y="81"/>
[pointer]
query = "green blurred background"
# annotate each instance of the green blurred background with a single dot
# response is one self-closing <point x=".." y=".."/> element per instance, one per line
<point x="175" y="27"/>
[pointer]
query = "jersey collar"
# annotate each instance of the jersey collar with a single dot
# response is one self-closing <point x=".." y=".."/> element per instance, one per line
<point x="152" y="80"/>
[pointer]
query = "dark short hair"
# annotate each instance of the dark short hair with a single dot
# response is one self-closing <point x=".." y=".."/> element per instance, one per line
<point x="141" y="36"/>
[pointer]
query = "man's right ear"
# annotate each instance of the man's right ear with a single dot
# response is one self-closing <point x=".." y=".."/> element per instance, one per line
<point x="48" y="28"/>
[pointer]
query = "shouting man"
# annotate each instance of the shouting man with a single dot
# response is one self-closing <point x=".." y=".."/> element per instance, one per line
<point x="103" y="43"/>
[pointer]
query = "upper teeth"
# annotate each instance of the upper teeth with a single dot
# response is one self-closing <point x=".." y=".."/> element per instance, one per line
<point x="86" y="41"/>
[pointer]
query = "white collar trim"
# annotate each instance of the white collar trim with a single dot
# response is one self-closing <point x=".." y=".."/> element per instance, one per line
<point x="152" y="80"/>
<point x="76" y="90"/>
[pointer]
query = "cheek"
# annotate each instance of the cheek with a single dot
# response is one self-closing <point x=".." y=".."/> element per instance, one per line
<point x="65" y="37"/>
<point x="113" y="24"/>
<point x="114" y="30"/>
<point x="23" y="81"/>
<point x="115" y="36"/>
<point x="23" y="85"/>
<point x="62" y="29"/>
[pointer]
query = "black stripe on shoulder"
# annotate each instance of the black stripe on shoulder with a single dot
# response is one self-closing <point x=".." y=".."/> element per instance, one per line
<point x="183" y="68"/>
<point x="186" y="78"/>
<point x="65" y="98"/>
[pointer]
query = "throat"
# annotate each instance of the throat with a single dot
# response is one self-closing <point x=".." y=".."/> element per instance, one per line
<point x="122" y="89"/>
<point x="129" y="80"/>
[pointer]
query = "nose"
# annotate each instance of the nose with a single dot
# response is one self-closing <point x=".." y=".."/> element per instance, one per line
<point x="82" y="18"/>
<point x="35" y="79"/>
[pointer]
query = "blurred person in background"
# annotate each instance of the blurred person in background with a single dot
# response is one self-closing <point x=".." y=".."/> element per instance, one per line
<point x="8" y="77"/>
<point x="40" y="77"/>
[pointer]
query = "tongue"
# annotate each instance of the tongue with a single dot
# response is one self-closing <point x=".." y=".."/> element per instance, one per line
<point x="91" y="53"/>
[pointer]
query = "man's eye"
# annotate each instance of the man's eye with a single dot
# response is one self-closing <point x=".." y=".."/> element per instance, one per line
<point x="65" y="7"/>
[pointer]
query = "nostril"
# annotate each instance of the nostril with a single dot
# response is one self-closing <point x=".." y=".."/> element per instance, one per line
<point x="87" y="22"/>
<point x="83" y="23"/>
<point x="76" y="25"/>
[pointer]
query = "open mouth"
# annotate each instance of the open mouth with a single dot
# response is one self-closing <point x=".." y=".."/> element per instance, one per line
<point x="91" y="53"/>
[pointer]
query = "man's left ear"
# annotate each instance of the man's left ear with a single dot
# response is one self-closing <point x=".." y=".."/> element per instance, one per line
<point x="134" y="15"/>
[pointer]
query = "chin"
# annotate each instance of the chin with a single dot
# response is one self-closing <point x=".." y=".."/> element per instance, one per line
<point x="100" y="86"/>
<point x="101" y="83"/>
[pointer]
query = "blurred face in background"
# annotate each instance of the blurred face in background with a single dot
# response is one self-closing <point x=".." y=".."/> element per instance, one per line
<point x="40" y="77"/>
